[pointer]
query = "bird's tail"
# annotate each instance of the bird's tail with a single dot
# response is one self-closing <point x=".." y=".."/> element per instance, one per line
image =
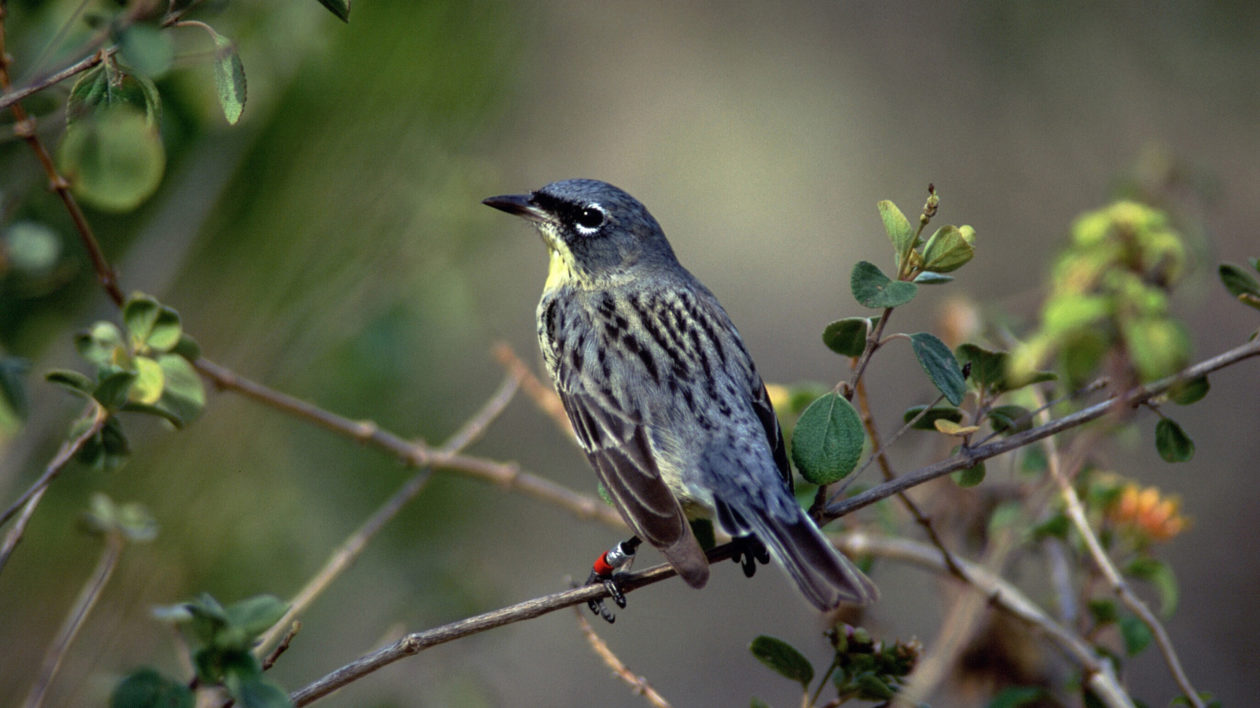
<point x="825" y="577"/>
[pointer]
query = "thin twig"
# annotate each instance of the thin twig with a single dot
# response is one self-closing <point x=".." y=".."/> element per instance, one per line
<point x="349" y="550"/>
<point x="283" y="646"/>
<point x="74" y="620"/>
<point x="1076" y="514"/>
<point x="638" y="685"/>
<point x="30" y="500"/>
<point x="415" y="454"/>
<point x="417" y="642"/>
<point x="968" y="457"/>
<point x="872" y="344"/>
<point x="1098" y="672"/>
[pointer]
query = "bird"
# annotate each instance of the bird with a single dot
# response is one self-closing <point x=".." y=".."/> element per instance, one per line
<point x="664" y="397"/>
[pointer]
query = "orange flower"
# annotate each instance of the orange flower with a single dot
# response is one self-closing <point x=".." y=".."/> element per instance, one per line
<point x="1154" y="516"/>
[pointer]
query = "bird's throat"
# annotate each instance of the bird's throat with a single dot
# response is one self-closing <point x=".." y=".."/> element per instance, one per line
<point x="559" y="270"/>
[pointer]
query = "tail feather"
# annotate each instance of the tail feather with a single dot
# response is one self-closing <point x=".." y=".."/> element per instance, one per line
<point x="824" y="576"/>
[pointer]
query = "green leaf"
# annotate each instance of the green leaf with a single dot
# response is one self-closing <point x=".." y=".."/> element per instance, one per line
<point x="150" y="323"/>
<point x="1104" y="611"/>
<point x="1160" y="575"/>
<point x="1240" y="284"/>
<point x="927" y="277"/>
<point x="340" y="8"/>
<point x="114" y="159"/>
<point x="1137" y="636"/>
<point x="847" y="337"/>
<point x="187" y="347"/>
<point x="229" y="77"/>
<point x="31" y="247"/>
<point x="107" y="450"/>
<point x="1172" y="442"/>
<point x="941" y="366"/>
<point x="146" y="688"/>
<point x="1057" y="526"/>
<point x="101" y="345"/>
<point x="147" y="49"/>
<point x="131" y="520"/>
<point x="1157" y="346"/>
<point x="873" y="688"/>
<point x="873" y="289"/>
<point x="947" y="250"/>
<point x="114" y="387"/>
<point x="72" y="380"/>
<point x="783" y="658"/>
<point x="104" y="85"/>
<point x="970" y="477"/>
<point x="183" y="395"/>
<point x="928" y="421"/>
<point x="255" y="615"/>
<point x="1010" y="419"/>
<point x="13" y="384"/>
<point x="988" y="368"/>
<point x="1017" y="696"/>
<point x="150" y="380"/>
<point x="1184" y="393"/>
<point x="898" y="228"/>
<point x="257" y="692"/>
<point x="827" y="440"/>
<point x="702" y="529"/>
<point x="758" y="703"/>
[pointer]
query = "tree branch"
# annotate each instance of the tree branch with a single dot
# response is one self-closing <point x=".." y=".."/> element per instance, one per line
<point x="1099" y="673"/>
<point x="968" y="457"/>
<point x="417" y="642"/>
<point x="638" y="685"/>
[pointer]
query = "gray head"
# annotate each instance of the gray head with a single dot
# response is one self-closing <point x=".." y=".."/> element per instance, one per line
<point x="596" y="232"/>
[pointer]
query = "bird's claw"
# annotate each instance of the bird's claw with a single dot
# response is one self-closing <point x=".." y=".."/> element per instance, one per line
<point x="614" y="591"/>
<point x="748" y="553"/>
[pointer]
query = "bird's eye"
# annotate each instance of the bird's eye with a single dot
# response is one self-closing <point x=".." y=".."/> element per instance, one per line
<point x="590" y="218"/>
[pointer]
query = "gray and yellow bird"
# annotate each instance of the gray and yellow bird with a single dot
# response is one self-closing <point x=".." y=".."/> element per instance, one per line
<point x="663" y="396"/>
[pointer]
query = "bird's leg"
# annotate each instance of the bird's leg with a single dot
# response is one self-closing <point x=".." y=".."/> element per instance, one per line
<point x="605" y="572"/>
<point x="748" y="552"/>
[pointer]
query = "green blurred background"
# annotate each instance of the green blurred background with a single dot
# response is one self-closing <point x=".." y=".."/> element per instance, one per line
<point x="332" y="246"/>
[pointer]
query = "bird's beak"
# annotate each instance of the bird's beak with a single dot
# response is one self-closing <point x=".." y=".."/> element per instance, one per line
<point x="519" y="204"/>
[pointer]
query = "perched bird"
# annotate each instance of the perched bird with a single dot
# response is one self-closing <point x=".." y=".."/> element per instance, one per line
<point x="663" y="396"/>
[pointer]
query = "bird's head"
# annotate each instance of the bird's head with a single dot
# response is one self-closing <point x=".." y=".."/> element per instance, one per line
<point x="597" y="234"/>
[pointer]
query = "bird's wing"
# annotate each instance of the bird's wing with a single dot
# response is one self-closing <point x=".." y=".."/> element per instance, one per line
<point x="621" y="450"/>
<point x="770" y="422"/>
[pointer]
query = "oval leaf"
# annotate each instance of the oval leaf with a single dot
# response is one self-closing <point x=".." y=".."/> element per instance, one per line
<point x="941" y="366"/>
<point x="1184" y="393"/>
<point x="827" y="440"/>
<point x="927" y="277"/>
<point x="340" y="8"/>
<point x="229" y="77"/>
<point x="847" y="337"/>
<point x="114" y="160"/>
<point x="898" y="228"/>
<point x="1010" y="419"/>
<point x="946" y="250"/>
<point x="874" y="289"/>
<point x="150" y="380"/>
<point x="782" y="658"/>
<point x="1172" y="442"/>
<point x="146" y="688"/>
<point x="1239" y="283"/>
<point x="969" y="477"/>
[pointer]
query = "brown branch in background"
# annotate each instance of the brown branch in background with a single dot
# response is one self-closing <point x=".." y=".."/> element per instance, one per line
<point x="541" y="394"/>
<point x="74" y="621"/>
<point x="415" y="454"/>
<point x="1097" y="671"/>
<point x="31" y="498"/>
<point x="638" y="685"/>
<point x="417" y="642"/>
<point x="969" y="456"/>
<point x="1076" y="514"/>
<point x="345" y="554"/>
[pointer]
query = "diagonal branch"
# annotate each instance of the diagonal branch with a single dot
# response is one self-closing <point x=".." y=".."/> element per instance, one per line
<point x="968" y="457"/>
<point x="417" y="642"/>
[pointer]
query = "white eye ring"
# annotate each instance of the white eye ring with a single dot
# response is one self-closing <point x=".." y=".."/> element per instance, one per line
<point x="590" y="219"/>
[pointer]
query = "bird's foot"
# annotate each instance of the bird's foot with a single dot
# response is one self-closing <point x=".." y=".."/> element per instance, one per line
<point x="605" y="572"/>
<point x="748" y="553"/>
